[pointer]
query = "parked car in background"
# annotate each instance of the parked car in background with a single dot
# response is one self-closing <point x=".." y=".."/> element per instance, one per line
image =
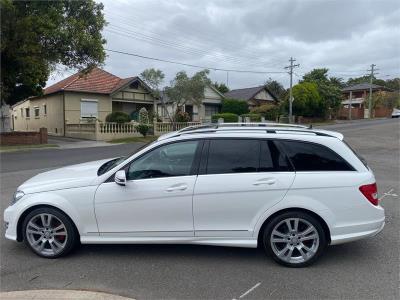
<point x="289" y="189"/>
<point x="396" y="113"/>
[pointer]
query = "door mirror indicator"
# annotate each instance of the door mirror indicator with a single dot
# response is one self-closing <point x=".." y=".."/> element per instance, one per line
<point x="120" y="177"/>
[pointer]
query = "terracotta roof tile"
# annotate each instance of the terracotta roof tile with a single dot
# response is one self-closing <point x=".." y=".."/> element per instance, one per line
<point x="97" y="81"/>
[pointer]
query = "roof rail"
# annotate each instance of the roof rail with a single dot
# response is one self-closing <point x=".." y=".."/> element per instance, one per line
<point x="277" y="128"/>
<point x="259" y="124"/>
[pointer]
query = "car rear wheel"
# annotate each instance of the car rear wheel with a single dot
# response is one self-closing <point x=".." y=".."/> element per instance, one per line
<point x="294" y="239"/>
<point x="49" y="233"/>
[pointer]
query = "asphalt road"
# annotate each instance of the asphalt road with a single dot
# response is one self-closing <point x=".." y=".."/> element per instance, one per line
<point x="365" y="269"/>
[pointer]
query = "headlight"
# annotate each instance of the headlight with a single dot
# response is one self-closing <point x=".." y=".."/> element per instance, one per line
<point x="17" y="196"/>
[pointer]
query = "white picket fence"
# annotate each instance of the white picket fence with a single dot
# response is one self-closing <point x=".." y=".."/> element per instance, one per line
<point x="106" y="131"/>
<point x="164" y="127"/>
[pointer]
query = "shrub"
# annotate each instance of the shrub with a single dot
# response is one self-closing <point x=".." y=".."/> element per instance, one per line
<point x="143" y="116"/>
<point x="268" y="111"/>
<point x="253" y="117"/>
<point x="118" y="117"/>
<point x="181" y="116"/>
<point x="234" y="106"/>
<point x="228" y="117"/>
<point x="143" y="129"/>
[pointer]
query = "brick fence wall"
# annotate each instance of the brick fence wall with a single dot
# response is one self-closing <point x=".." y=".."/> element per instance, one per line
<point x="23" y="138"/>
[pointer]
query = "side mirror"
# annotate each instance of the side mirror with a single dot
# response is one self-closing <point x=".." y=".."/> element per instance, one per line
<point x="120" y="177"/>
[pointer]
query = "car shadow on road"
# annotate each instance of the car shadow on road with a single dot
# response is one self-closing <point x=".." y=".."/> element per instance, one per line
<point x="356" y="252"/>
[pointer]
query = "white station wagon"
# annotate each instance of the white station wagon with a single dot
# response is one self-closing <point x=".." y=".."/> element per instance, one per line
<point x="289" y="189"/>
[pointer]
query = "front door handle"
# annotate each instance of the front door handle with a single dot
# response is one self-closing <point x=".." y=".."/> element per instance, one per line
<point x="180" y="187"/>
<point x="269" y="181"/>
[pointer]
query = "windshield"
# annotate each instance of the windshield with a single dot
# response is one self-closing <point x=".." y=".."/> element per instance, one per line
<point x="116" y="161"/>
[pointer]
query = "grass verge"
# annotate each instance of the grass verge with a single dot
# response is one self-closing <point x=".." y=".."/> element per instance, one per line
<point x="26" y="147"/>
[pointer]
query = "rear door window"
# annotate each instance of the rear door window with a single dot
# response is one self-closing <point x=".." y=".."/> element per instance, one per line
<point x="233" y="156"/>
<point x="307" y="156"/>
<point x="272" y="159"/>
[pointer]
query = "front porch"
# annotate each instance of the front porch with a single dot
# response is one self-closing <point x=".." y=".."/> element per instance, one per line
<point x="132" y="108"/>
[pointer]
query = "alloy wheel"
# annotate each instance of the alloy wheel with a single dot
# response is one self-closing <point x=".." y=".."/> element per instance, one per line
<point x="294" y="240"/>
<point x="46" y="234"/>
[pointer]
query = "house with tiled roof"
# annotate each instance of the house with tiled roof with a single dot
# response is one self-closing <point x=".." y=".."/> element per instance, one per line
<point x="79" y="99"/>
<point x="255" y="96"/>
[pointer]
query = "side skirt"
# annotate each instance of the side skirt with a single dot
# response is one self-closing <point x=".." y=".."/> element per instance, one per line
<point x="211" y="241"/>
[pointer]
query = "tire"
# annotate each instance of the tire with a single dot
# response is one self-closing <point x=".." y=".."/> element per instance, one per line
<point x="49" y="233"/>
<point x="296" y="248"/>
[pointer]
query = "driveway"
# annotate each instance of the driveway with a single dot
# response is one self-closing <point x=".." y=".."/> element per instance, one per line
<point x="363" y="270"/>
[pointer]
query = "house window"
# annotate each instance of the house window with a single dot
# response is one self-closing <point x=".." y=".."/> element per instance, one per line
<point x="36" y="111"/>
<point x="89" y="108"/>
<point x="27" y="112"/>
<point x="22" y="112"/>
<point x="211" y="110"/>
<point x="44" y="109"/>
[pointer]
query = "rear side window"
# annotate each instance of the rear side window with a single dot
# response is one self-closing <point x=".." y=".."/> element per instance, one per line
<point x="271" y="159"/>
<point x="233" y="156"/>
<point x="313" y="157"/>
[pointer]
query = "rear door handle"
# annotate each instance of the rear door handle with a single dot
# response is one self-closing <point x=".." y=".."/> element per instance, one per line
<point x="180" y="187"/>
<point x="269" y="181"/>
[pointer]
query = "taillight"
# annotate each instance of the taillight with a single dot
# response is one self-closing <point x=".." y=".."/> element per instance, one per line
<point x="370" y="191"/>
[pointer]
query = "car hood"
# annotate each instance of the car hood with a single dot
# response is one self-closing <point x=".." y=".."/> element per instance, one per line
<point x="63" y="178"/>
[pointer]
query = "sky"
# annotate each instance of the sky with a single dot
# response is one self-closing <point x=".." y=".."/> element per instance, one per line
<point x="345" y="36"/>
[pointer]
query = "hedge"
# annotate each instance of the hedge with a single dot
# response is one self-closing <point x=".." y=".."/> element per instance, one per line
<point x="253" y="117"/>
<point x="270" y="112"/>
<point x="118" y="117"/>
<point x="234" y="106"/>
<point x="228" y="117"/>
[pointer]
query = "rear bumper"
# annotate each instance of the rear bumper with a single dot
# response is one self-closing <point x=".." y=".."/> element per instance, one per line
<point x="357" y="232"/>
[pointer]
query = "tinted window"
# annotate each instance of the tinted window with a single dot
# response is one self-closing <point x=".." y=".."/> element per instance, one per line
<point x="313" y="157"/>
<point x="233" y="156"/>
<point x="271" y="159"/>
<point x="165" y="161"/>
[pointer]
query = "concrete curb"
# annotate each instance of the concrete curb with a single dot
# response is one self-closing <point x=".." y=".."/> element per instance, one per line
<point x="59" y="295"/>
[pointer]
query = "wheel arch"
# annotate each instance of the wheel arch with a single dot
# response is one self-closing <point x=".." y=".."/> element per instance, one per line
<point x="32" y="208"/>
<point x="292" y="209"/>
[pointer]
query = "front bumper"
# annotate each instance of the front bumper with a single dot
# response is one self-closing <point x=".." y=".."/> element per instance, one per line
<point x="10" y="222"/>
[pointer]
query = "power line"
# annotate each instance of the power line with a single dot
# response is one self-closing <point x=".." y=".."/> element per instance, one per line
<point x="183" y="46"/>
<point x="192" y="65"/>
<point x="192" y="38"/>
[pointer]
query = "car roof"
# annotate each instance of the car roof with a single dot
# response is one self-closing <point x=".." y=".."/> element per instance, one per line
<point x="249" y="130"/>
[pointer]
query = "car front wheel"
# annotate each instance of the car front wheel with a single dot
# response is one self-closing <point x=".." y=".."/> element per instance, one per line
<point x="294" y="239"/>
<point x="49" y="233"/>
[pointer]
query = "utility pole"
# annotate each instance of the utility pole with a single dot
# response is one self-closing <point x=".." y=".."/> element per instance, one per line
<point x="291" y="60"/>
<point x="371" y="76"/>
<point x="350" y="104"/>
<point x="227" y="78"/>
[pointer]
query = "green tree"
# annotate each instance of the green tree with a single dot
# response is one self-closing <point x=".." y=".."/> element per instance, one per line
<point x="307" y="101"/>
<point x="185" y="89"/>
<point x="153" y="78"/>
<point x="329" y="89"/>
<point x="276" y="88"/>
<point x="365" y="79"/>
<point x="38" y="35"/>
<point x="393" y="83"/>
<point x="221" y="87"/>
